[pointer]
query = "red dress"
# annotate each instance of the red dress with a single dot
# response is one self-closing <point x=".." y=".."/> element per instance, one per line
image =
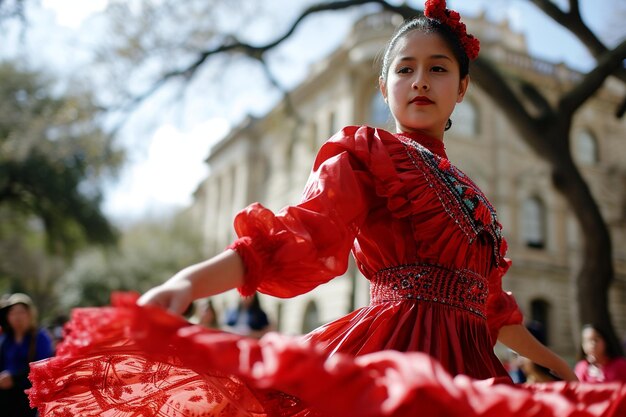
<point x="430" y="244"/>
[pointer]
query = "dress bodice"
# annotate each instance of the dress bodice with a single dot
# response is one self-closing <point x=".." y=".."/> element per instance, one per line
<point x="426" y="211"/>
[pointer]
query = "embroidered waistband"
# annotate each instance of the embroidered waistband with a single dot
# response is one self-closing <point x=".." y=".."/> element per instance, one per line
<point x="458" y="288"/>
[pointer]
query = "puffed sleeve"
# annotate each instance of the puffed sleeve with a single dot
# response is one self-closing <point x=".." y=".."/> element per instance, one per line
<point x="502" y="309"/>
<point x="303" y="246"/>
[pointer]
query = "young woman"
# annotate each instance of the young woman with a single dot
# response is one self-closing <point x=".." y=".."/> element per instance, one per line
<point x="421" y="232"/>
<point x="600" y="362"/>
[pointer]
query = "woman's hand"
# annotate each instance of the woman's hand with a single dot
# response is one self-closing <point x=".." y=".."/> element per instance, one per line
<point x="174" y="296"/>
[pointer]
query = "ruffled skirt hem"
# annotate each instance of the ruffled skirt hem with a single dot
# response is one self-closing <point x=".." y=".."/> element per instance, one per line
<point x="126" y="360"/>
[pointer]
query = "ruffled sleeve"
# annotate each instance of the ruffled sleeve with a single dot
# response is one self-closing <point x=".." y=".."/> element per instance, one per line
<point x="502" y="309"/>
<point x="303" y="246"/>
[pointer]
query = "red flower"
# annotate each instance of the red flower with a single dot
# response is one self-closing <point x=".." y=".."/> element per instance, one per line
<point x="436" y="9"/>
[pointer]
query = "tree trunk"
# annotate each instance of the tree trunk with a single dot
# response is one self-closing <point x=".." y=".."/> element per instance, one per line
<point x="594" y="279"/>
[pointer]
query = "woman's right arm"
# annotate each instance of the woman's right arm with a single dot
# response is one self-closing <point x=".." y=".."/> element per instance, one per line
<point x="290" y="252"/>
<point x="220" y="273"/>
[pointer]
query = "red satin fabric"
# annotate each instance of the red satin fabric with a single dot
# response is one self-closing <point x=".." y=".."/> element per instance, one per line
<point x="131" y="361"/>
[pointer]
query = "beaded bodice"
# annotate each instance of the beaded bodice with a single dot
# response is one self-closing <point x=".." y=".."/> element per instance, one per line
<point x="462" y="289"/>
<point x="462" y="200"/>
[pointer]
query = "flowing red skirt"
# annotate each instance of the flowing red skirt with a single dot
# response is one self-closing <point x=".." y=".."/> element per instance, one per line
<point x="126" y="360"/>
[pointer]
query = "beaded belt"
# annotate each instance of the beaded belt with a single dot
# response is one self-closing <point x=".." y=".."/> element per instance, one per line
<point x="458" y="288"/>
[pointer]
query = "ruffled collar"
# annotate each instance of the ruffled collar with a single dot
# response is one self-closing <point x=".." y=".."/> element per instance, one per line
<point x="434" y="145"/>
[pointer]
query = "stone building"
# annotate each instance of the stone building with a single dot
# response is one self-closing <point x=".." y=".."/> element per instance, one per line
<point x="268" y="159"/>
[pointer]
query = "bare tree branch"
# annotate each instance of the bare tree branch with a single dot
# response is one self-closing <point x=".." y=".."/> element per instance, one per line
<point x="492" y="82"/>
<point x="573" y="22"/>
<point x="537" y="99"/>
<point x="571" y="101"/>
<point x="233" y="45"/>
<point x="574" y="9"/>
<point x="290" y="107"/>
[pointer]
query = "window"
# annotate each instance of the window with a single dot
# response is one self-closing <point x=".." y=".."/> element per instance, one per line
<point x="332" y="124"/>
<point x="586" y="148"/>
<point x="380" y="116"/>
<point x="533" y="223"/>
<point x="465" y="118"/>
<point x="538" y="324"/>
<point x="311" y="319"/>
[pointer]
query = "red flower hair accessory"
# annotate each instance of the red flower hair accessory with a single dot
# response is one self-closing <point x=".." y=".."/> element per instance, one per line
<point x="436" y="9"/>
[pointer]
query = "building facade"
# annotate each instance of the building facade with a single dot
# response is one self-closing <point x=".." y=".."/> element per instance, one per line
<point x="268" y="159"/>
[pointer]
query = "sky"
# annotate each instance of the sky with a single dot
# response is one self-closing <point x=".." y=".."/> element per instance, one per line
<point x="167" y="152"/>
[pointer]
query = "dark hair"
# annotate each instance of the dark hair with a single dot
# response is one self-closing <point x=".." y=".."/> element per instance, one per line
<point x="426" y="25"/>
<point x="611" y="350"/>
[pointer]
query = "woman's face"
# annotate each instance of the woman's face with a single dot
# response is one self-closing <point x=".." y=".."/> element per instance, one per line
<point x="423" y="84"/>
<point x="19" y="318"/>
<point x="593" y="345"/>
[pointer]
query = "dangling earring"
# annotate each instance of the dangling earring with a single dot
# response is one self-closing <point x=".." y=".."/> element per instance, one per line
<point x="448" y="125"/>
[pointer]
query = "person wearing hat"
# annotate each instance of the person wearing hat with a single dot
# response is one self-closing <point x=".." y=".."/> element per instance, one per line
<point x="23" y="342"/>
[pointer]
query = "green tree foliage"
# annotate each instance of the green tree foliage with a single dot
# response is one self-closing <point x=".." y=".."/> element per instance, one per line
<point x="53" y="158"/>
<point x="53" y="154"/>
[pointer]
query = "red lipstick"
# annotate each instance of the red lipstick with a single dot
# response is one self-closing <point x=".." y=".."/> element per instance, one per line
<point x="422" y="101"/>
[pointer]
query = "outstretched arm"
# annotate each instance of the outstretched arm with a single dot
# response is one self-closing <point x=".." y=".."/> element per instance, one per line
<point x="519" y="339"/>
<point x="218" y="274"/>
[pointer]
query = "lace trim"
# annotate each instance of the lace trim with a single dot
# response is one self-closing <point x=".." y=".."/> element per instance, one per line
<point x="459" y="288"/>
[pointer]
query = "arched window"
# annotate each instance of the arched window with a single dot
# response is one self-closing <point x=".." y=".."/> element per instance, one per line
<point x="465" y="118"/>
<point x="380" y="116"/>
<point x="539" y="325"/>
<point x="311" y="319"/>
<point x="586" y="148"/>
<point x="533" y="223"/>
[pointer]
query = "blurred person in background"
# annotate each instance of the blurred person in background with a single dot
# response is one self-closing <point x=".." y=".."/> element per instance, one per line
<point x="599" y="361"/>
<point x="248" y="318"/>
<point x="23" y="342"/>
<point x="206" y="314"/>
